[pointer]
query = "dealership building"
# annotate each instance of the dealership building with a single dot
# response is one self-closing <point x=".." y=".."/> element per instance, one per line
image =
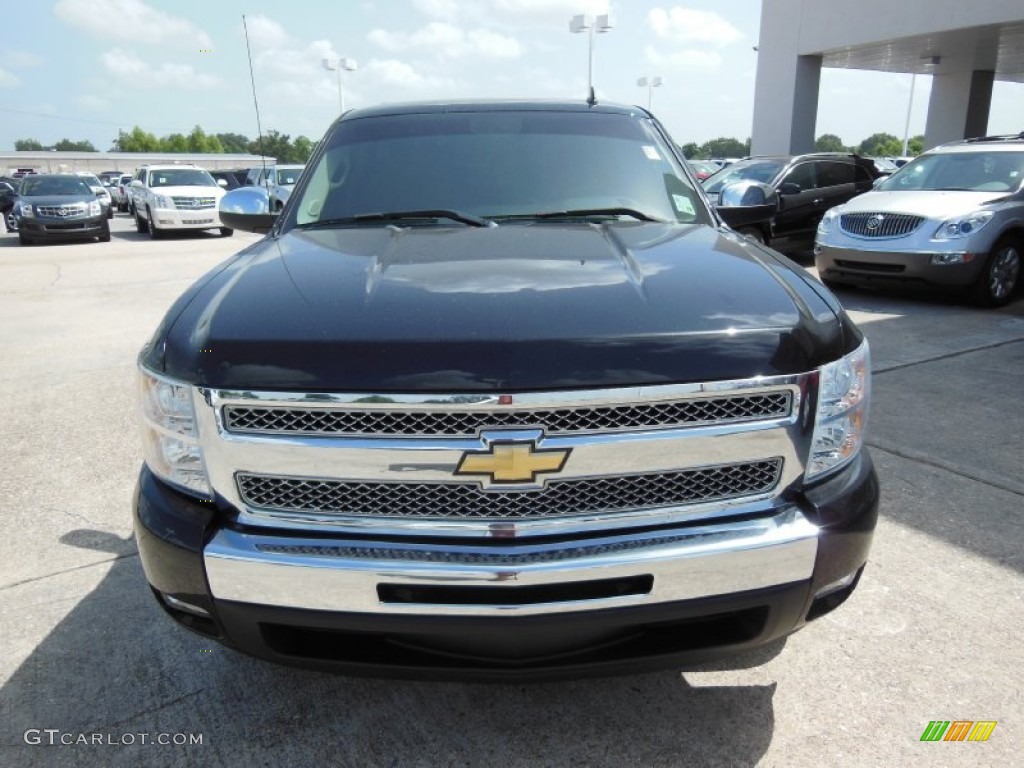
<point x="964" y="46"/>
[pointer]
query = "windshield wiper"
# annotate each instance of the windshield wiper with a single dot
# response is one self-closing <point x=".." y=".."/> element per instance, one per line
<point x="432" y="213"/>
<point x="584" y="212"/>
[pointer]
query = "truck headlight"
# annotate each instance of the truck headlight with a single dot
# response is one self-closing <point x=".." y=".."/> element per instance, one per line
<point x="844" y="390"/>
<point x="94" y="208"/>
<point x="162" y="201"/>
<point x="962" y="226"/>
<point x="26" y="211"/>
<point x="169" y="433"/>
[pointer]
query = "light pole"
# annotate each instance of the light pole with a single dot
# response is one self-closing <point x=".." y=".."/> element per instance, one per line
<point x="910" y="104"/>
<point x="348" y="65"/>
<point x="650" y="83"/>
<point x="600" y="25"/>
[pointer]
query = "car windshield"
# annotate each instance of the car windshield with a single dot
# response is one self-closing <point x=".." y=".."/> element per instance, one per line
<point x="288" y="176"/>
<point x="92" y="181"/>
<point x="54" y="185"/>
<point x="745" y="170"/>
<point x="496" y="165"/>
<point x="181" y="177"/>
<point x="972" y="171"/>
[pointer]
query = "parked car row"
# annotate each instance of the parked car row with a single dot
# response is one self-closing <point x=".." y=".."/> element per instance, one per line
<point x="951" y="218"/>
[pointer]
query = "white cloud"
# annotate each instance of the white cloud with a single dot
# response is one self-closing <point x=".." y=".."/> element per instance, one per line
<point x="264" y="32"/>
<point x="7" y="80"/>
<point x="449" y="41"/>
<point x="403" y="75"/>
<point x="131" y="20"/>
<point x="438" y="9"/>
<point x="21" y="59"/>
<point x="683" y="61"/>
<point x="686" y="25"/>
<point x="129" y="68"/>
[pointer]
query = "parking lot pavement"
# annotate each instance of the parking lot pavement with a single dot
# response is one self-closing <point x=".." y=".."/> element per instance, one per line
<point x="932" y="633"/>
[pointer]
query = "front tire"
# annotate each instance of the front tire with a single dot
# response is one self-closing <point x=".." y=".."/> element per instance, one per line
<point x="25" y="239"/>
<point x="141" y="225"/>
<point x="1000" y="276"/>
<point x="226" y="231"/>
<point x="154" y="233"/>
<point x="104" y="236"/>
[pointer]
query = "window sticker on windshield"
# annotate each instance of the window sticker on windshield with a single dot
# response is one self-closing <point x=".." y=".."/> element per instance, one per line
<point x="651" y="152"/>
<point x="683" y="204"/>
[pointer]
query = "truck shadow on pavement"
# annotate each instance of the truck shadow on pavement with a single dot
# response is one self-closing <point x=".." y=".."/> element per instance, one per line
<point x="115" y="665"/>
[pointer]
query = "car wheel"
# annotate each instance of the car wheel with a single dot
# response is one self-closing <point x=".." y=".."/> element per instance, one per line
<point x="141" y="225"/>
<point x="25" y="239"/>
<point x="226" y="231"/>
<point x="110" y="212"/>
<point x="753" y="233"/>
<point x="105" y="235"/>
<point x="154" y="233"/>
<point x="1000" y="275"/>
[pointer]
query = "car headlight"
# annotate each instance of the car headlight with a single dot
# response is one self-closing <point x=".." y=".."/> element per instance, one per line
<point x="844" y="390"/>
<point x="169" y="433"/>
<point x="94" y="208"/>
<point x="26" y="211"/>
<point x="962" y="226"/>
<point x="163" y="202"/>
<point x="825" y="225"/>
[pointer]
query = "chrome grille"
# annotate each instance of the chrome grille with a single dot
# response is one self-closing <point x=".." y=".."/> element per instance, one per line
<point x="61" y="211"/>
<point x="879" y="224"/>
<point x="449" y="422"/>
<point x="559" y="498"/>
<point x="194" y="203"/>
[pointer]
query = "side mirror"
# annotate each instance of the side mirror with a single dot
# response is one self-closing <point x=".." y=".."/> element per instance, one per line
<point x="247" y="209"/>
<point x="101" y="193"/>
<point x="745" y="203"/>
<point x="222" y="183"/>
<point x="789" y="188"/>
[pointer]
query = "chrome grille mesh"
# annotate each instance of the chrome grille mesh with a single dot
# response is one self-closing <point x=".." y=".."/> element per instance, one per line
<point x="194" y="203"/>
<point x="879" y="224"/>
<point x="465" y="423"/>
<point x="558" y="498"/>
<point x="61" y="211"/>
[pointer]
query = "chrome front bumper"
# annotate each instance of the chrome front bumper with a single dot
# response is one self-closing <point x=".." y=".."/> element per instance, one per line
<point x="347" y="575"/>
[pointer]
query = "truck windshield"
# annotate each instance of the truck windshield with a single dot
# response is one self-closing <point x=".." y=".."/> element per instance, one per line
<point x="181" y="177"/>
<point x="497" y="165"/>
<point x="975" y="171"/>
<point x="54" y="185"/>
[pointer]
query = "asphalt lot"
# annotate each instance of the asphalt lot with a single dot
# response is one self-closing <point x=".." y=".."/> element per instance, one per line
<point x="932" y="633"/>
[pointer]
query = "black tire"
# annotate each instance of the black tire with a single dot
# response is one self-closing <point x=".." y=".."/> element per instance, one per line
<point x="104" y="236"/>
<point x="141" y="225"/>
<point x="1000" y="276"/>
<point x="754" y="234"/>
<point x="25" y="239"/>
<point x="226" y="231"/>
<point x="110" y="212"/>
<point x="154" y="232"/>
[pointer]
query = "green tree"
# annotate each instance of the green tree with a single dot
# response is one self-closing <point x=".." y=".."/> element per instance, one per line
<point x="28" y="145"/>
<point x="880" y="145"/>
<point x="67" y="145"/>
<point x="829" y="142"/>
<point x="689" y="150"/>
<point x="175" y="142"/>
<point x="198" y="141"/>
<point x="725" y="147"/>
<point x="234" y="143"/>
<point x="302" y="148"/>
<point x="916" y="145"/>
<point x="275" y="144"/>
<point x="138" y="140"/>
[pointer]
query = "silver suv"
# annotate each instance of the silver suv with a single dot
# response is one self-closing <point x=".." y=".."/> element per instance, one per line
<point x="952" y="218"/>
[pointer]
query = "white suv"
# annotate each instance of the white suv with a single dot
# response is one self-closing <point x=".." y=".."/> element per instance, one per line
<point x="179" y="196"/>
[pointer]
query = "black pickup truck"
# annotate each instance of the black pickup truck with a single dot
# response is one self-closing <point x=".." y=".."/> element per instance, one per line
<point x="500" y="396"/>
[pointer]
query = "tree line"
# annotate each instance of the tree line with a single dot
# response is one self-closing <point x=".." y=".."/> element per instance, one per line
<point x="274" y="144"/>
<point x="875" y="145"/>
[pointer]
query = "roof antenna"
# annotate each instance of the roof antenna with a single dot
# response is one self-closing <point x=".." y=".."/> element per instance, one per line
<point x="592" y="99"/>
<point x="252" y="79"/>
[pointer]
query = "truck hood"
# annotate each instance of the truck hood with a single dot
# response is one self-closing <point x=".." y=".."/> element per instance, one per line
<point x="932" y="204"/>
<point x="517" y="307"/>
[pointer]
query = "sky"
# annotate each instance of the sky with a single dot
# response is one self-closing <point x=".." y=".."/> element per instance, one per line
<point x="85" y="69"/>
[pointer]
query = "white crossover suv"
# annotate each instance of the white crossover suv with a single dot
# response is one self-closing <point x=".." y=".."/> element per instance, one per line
<point x="951" y="218"/>
<point x="176" y="197"/>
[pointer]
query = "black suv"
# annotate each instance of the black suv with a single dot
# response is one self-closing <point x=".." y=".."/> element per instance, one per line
<point x="806" y="186"/>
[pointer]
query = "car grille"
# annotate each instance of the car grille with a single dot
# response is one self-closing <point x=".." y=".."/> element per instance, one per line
<point x="62" y="211"/>
<point x="194" y="203"/>
<point x="448" y="422"/>
<point x="559" y="498"/>
<point x="879" y="224"/>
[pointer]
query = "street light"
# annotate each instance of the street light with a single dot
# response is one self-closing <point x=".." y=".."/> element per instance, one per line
<point x="650" y="83"/>
<point x="348" y="65"/>
<point x="600" y="25"/>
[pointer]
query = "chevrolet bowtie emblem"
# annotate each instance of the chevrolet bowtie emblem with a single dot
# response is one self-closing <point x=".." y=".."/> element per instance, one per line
<point x="512" y="462"/>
